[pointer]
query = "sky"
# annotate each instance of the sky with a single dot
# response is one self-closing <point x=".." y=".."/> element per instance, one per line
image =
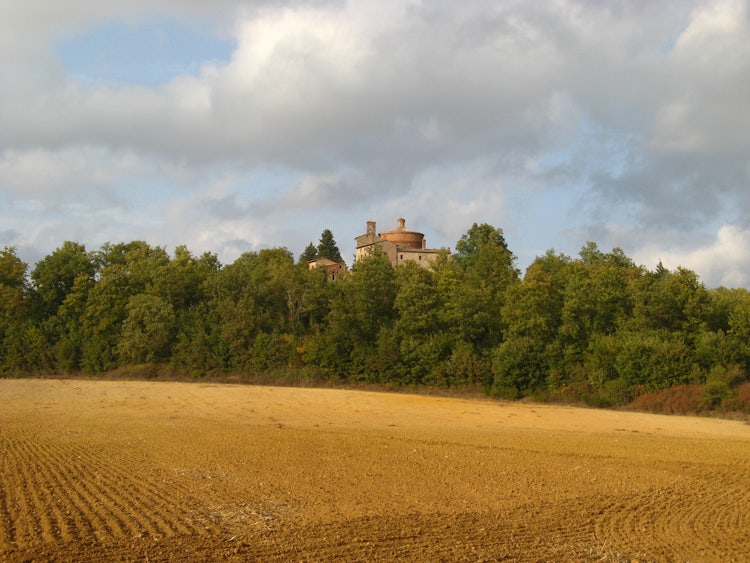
<point x="232" y="126"/>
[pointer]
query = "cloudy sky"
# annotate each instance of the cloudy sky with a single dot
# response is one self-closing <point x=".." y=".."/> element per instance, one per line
<point x="230" y="126"/>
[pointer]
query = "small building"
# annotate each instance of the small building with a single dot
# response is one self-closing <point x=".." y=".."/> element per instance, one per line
<point x="333" y="269"/>
<point x="400" y="245"/>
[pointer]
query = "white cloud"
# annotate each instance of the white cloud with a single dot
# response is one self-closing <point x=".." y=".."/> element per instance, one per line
<point x="707" y="83"/>
<point x="722" y="261"/>
<point x="447" y="113"/>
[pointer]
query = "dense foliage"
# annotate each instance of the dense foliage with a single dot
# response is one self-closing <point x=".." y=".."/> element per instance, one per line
<point x="596" y="328"/>
<point x="326" y="248"/>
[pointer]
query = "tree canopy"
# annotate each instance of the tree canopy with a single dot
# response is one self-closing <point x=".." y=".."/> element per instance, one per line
<point x="310" y="253"/>
<point x="327" y="247"/>
<point x="595" y="327"/>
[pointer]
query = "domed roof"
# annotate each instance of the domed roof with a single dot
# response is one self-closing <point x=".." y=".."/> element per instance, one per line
<point x="404" y="237"/>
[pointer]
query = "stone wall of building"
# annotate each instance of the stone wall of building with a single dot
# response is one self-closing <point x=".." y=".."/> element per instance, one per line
<point x="399" y="244"/>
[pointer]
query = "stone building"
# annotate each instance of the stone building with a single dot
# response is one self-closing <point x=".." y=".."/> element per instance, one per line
<point x="400" y="245"/>
<point x="334" y="269"/>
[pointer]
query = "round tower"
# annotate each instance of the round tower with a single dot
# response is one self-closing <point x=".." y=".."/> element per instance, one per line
<point x="403" y="237"/>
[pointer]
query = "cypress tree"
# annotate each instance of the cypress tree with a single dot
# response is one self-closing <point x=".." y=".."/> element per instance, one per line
<point x="310" y="253"/>
<point x="327" y="247"/>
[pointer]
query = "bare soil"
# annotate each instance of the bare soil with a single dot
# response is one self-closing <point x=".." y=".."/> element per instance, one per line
<point x="151" y="471"/>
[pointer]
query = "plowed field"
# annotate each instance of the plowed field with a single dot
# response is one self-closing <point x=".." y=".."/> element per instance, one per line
<point x="150" y="471"/>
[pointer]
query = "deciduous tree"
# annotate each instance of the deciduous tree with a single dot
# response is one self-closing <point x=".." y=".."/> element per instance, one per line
<point x="146" y="331"/>
<point x="55" y="274"/>
<point x="474" y="285"/>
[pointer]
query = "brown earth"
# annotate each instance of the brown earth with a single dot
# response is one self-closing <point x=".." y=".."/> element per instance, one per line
<point x="148" y="471"/>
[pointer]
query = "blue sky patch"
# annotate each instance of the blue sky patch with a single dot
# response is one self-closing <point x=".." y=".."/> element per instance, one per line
<point x="148" y="53"/>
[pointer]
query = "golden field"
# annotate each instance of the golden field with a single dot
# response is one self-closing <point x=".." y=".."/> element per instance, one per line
<point x="163" y="471"/>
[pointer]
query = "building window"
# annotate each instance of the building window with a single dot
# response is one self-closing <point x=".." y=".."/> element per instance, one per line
<point x="402" y="257"/>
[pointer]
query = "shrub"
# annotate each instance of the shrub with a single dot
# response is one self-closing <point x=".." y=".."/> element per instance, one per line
<point x="714" y="392"/>
<point x="680" y="399"/>
<point x="654" y="359"/>
<point x="467" y="367"/>
<point x="518" y="367"/>
<point x="739" y="401"/>
<point x="601" y="358"/>
<point x="271" y="350"/>
<point x="615" y="392"/>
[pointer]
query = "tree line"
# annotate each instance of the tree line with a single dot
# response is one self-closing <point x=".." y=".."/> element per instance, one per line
<point x="595" y="327"/>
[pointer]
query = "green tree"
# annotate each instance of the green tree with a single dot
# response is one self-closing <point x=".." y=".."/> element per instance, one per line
<point x="327" y="247"/>
<point x="348" y="346"/>
<point x="310" y="253"/>
<point x="533" y="308"/>
<point x="197" y="348"/>
<point x="472" y="247"/>
<point x="55" y="274"/>
<point x="272" y="350"/>
<point x="315" y="297"/>
<point x="723" y="301"/>
<point x="416" y="301"/>
<point x="54" y="278"/>
<point x="261" y="292"/>
<point x="417" y="326"/>
<point x="655" y="359"/>
<point x="13" y="310"/>
<point x="12" y="269"/>
<point x="676" y="301"/>
<point x="146" y="331"/>
<point x="739" y="333"/>
<point x="102" y="320"/>
<point x="126" y="269"/>
<point x="599" y="298"/>
<point x="69" y="321"/>
<point x="372" y="294"/>
<point x="233" y="305"/>
<point x="137" y="260"/>
<point x="181" y="281"/>
<point x="533" y="312"/>
<point x="518" y="367"/>
<point x="184" y="284"/>
<point x="474" y="283"/>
